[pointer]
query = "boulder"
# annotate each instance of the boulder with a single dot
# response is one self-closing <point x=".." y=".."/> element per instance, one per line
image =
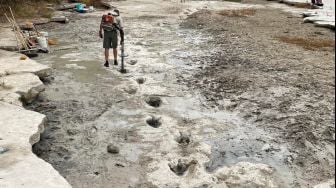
<point x="112" y="149"/>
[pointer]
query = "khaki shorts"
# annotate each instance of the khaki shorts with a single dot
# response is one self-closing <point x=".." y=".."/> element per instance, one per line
<point x="110" y="39"/>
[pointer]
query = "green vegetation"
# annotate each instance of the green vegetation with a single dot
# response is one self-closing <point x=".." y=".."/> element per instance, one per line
<point x="96" y="3"/>
<point x="26" y="8"/>
<point x="34" y="8"/>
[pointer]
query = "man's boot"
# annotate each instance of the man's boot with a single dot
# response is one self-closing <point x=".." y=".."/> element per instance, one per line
<point x="106" y="64"/>
<point x="115" y="62"/>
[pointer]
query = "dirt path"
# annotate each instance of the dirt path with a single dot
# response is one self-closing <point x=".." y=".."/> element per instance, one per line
<point x="217" y="106"/>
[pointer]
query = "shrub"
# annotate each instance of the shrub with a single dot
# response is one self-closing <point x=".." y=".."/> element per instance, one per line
<point x="26" y="8"/>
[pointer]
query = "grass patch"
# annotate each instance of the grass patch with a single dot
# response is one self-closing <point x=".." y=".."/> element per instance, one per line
<point x="308" y="43"/>
<point x="26" y="8"/>
<point x="238" y="12"/>
<point x="95" y="3"/>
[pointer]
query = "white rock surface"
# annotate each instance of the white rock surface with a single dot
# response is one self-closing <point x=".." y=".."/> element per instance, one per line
<point x="328" y="184"/>
<point x="19" y="167"/>
<point x="313" y="19"/>
<point x="7" y="37"/>
<point x="74" y="66"/>
<point x="26" y="86"/>
<point x="10" y="63"/>
<point x="324" y="17"/>
<point x="20" y="128"/>
<point x="249" y="175"/>
<point x="326" y="24"/>
<point x="10" y="98"/>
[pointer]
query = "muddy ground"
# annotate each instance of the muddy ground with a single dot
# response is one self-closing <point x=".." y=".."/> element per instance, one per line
<point x="227" y="83"/>
<point x="279" y="87"/>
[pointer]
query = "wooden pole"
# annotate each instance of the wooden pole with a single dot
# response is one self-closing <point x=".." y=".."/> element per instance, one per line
<point x="16" y="37"/>
<point x="11" y="12"/>
<point x="26" y="44"/>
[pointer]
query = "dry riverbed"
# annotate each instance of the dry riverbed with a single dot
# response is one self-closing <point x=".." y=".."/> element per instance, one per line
<point x="213" y="97"/>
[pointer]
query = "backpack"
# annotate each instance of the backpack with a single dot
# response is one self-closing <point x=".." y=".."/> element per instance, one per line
<point x="107" y="19"/>
<point x="107" y="23"/>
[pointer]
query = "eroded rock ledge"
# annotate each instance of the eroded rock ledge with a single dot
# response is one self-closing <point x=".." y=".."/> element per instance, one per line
<point x="20" y="128"/>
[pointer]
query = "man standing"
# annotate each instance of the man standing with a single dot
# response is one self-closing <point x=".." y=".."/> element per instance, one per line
<point x="111" y="24"/>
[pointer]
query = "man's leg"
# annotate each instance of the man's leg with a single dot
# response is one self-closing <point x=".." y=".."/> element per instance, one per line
<point x="115" y="46"/>
<point x="107" y="45"/>
<point x="115" y="54"/>
<point x="107" y="54"/>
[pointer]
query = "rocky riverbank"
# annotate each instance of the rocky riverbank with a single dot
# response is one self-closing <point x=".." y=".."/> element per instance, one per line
<point x="20" y="128"/>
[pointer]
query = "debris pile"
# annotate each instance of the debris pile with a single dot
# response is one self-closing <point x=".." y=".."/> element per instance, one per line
<point x="29" y="40"/>
<point x="77" y="6"/>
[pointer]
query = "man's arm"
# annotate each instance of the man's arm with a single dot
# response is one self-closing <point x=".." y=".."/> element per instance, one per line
<point x="101" y="31"/>
<point x="122" y="34"/>
<point x="121" y="29"/>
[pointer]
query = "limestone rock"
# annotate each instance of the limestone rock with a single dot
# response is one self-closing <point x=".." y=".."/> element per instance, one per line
<point x="112" y="149"/>
<point x="326" y="24"/>
<point x="19" y="129"/>
<point x="181" y="166"/>
<point x="10" y="63"/>
<point x="245" y="174"/>
<point x="27" y="85"/>
<point x="10" y="98"/>
<point x="328" y="184"/>
<point x="7" y="38"/>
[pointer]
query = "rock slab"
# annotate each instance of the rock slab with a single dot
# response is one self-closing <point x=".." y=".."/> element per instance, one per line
<point x="19" y="167"/>
<point x="21" y="128"/>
